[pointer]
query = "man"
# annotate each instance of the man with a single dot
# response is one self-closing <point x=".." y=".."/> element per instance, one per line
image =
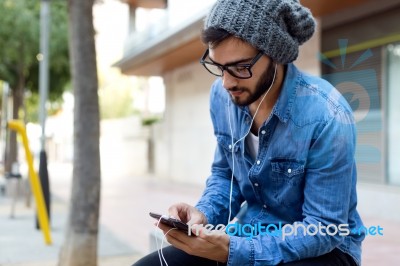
<point x="285" y="148"/>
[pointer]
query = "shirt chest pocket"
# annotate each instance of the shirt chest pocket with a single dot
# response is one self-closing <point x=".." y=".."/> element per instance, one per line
<point x="228" y="147"/>
<point x="233" y="155"/>
<point x="288" y="181"/>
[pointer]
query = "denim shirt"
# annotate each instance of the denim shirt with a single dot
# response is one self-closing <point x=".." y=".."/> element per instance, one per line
<point x="305" y="172"/>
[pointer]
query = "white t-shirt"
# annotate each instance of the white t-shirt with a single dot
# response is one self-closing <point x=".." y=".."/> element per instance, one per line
<point x="252" y="142"/>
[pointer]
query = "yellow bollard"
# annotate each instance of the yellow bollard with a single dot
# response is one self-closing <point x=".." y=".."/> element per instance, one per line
<point x="35" y="182"/>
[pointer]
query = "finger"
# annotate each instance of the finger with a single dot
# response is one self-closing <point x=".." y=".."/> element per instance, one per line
<point x="196" y="218"/>
<point x="176" y="238"/>
<point x="211" y="236"/>
<point x="178" y="211"/>
<point x="195" y="228"/>
<point x="179" y="244"/>
<point x="206" y="234"/>
<point x="173" y="213"/>
<point x="164" y="227"/>
<point x="190" y="245"/>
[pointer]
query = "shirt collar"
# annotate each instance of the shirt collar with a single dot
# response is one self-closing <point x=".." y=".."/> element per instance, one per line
<point x="283" y="106"/>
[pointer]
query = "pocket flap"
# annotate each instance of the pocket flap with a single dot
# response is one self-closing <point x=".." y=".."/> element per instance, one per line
<point x="288" y="168"/>
<point x="226" y="143"/>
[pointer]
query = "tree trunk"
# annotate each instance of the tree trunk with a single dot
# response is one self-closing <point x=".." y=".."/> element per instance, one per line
<point x="12" y="149"/>
<point x="80" y="246"/>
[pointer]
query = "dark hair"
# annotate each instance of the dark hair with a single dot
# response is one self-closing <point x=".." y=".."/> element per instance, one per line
<point x="214" y="36"/>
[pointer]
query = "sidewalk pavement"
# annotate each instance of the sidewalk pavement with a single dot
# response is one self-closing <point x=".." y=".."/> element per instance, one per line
<point x="22" y="245"/>
<point x="125" y="226"/>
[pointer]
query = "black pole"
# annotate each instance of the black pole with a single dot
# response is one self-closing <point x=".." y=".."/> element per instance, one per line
<point x="44" y="180"/>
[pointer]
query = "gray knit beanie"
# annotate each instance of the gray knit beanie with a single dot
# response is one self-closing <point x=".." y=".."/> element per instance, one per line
<point x="275" y="27"/>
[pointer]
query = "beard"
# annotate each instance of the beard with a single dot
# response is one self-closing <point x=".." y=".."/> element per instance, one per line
<point x="263" y="85"/>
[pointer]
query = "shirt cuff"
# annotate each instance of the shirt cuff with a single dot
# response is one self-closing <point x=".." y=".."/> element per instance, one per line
<point x="249" y="252"/>
<point x="241" y="251"/>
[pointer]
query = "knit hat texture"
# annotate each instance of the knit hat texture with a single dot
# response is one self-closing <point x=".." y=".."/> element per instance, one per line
<point x="275" y="27"/>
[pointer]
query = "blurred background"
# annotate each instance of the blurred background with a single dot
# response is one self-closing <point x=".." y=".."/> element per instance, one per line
<point x="156" y="138"/>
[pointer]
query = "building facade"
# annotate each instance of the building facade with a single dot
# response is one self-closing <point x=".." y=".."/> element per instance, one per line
<point x="356" y="47"/>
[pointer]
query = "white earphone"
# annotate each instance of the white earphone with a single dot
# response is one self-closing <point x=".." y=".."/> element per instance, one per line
<point x="247" y="133"/>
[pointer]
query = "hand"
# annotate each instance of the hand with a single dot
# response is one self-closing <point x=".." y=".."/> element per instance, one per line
<point x="211" y="245"/>
<point x="187" y="214"/>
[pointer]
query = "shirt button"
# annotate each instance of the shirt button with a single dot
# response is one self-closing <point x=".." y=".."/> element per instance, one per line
<point x="263" y="132"/>
<point x="230" y="147"/>
<point x="256" y="184"/>
<point x="265" y="206"/>
<point x="289" y="171"/>
<point x="258" y="162"/>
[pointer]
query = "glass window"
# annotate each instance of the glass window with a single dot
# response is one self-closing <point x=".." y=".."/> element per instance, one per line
<point x="393" y="113"/>
<point x="358" y="77"/>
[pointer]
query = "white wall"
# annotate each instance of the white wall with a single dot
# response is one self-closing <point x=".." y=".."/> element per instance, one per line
<point x="123" y="148"/>
<point x="184" y="141"/>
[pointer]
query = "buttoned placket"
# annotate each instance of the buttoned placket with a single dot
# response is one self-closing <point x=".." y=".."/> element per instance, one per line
<point x="258" y="165"/>
<point x="264" y="139"/>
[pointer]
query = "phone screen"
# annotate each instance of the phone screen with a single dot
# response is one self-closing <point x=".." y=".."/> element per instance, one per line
<point x="171" y="222"/>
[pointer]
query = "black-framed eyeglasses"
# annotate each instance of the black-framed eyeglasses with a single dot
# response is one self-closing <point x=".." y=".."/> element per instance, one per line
<point x="239" y="70"/>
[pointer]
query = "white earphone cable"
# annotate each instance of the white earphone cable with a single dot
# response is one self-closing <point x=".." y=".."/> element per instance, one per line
<point x="155" y="237"/>
<point x="234" y="144"/>
<point x="159" y="249"/>
<point x="162" y="242"/>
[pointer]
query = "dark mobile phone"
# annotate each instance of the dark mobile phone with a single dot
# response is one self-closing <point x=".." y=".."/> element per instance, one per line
<point x="171" y="222"/>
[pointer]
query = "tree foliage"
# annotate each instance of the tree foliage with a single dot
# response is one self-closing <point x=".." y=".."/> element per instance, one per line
<point x="20" y="40"/>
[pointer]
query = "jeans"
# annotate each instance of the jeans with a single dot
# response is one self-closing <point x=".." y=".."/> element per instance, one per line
<point x="177" y="257"/>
